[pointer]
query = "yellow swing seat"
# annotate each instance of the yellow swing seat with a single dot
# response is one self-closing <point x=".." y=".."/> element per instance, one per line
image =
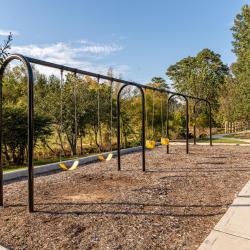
<point x="102" y="158"/>
<point x="164" y="141"/>
<point x="150" y="144"/>
<point x="65" y="168"/>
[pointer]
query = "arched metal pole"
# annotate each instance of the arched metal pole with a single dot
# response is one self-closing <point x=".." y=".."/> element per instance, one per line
<point x="30" y="127"/>
<point x="187" y="125"/>
<point x="210" y="120"/>
<point x="210" y="123"/>
<point x="167" y="117"/>
<point x="119" y="128"/>
<point x="187" y="120"/>
<point x="194" y="111"/>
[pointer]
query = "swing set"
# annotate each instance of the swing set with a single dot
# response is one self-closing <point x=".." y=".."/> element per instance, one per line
<point x="151" y="142"/>
<point x="27" y="61"/>
<point x="61" y="164"/>
<point x="101" y="156"/>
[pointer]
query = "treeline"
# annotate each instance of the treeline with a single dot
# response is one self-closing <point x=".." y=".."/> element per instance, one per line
<point x="74" y="114"/>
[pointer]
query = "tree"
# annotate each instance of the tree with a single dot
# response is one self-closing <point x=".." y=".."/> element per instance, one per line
<point x="160" y="82"/>
<point x="228" y="101"/>
<point x="15" y="132"/>
<point x="5" y="47"/>
<point x="202" y="76"/>
<point x="241" y="68"/>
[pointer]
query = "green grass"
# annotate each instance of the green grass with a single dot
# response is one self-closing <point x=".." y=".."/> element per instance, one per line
<point x="224" y="140"/>
<point x="14" y="168"/>
<point x="239" y="136"/>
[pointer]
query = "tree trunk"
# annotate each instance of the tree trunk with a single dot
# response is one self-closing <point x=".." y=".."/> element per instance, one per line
<point x="96" y="137"/>
<point x="6" y="153"/>
<point x="100" y="132"/>
<point x="61" y="143"/>
<point x="71" y="144"/>
<point x="48" y="146"/>
<point x="81" y="145"/>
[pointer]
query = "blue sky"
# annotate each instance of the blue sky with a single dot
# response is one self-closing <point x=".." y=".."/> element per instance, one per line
<point x="138" y="38"/>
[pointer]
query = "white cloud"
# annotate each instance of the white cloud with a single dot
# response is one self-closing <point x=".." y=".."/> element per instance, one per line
<point x="82" y="54"/>
<point x="7" y="32"/>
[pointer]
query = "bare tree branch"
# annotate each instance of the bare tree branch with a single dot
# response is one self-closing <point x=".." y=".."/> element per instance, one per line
<point x="5" y="47"/>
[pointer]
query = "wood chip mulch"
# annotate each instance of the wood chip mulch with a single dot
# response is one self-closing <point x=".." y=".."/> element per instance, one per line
<point x="173" y="205"/>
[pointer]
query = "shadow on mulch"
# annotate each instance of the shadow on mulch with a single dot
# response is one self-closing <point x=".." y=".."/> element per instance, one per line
<point x="211" y="163"/>
<point x="101" y="213"/>
<point x="201" y="170"/>
<point x="128" y="213"/>
<point x="217" y="157"/>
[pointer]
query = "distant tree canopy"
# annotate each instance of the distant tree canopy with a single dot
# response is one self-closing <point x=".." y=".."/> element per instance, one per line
<point x="241" y="68"/>
<point x="160" y="82"/>
<point x="201" y="76"/>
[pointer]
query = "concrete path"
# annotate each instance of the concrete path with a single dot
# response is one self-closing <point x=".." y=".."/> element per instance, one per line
<point x="233" y="230"/>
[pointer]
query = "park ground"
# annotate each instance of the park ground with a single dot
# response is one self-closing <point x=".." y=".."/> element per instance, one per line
<point x="173" y="205"/>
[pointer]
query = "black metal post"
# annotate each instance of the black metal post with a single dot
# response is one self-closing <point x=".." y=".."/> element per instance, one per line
<point x="210" y="123"/>
<point x="30" y="128"/>
<point x="187" y="126"/>
<point x="1" y="132"/>
<point x="119" y="127"/>
<point x="30" y="138"/>
<point x="143" y="131"/>
<point x="168" y="123"/>
<point x="194" y="111"/>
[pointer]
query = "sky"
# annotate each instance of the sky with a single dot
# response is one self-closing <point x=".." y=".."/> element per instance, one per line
<point x="139" y="39"/>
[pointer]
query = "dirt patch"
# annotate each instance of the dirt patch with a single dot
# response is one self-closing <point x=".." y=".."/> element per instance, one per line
<point x="173" y="205"/>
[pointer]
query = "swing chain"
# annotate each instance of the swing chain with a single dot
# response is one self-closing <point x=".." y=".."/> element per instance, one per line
<point x="111" y="113"/>
<point x="75" y="112"/>
<point x="98" y="111"/>
<point x="153" y="111"/>
<point x="162" y="129"/>
<point x="146" y="113"/>
<point x="61" y="110"/>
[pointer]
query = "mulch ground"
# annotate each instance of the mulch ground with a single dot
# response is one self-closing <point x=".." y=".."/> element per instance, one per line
<point x="173" y="205"/>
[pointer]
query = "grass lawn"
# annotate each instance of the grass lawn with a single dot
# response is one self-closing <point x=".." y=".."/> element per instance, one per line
<point x="239" y="136"/>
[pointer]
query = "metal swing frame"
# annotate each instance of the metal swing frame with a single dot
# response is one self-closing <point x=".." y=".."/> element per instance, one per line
<point x="210" y="119"/>
<point x="197" y="101"/>
<point x="27" y="61"/>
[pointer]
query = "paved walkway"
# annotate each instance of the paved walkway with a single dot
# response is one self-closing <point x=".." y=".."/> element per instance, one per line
<point x="233" y="230"/>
